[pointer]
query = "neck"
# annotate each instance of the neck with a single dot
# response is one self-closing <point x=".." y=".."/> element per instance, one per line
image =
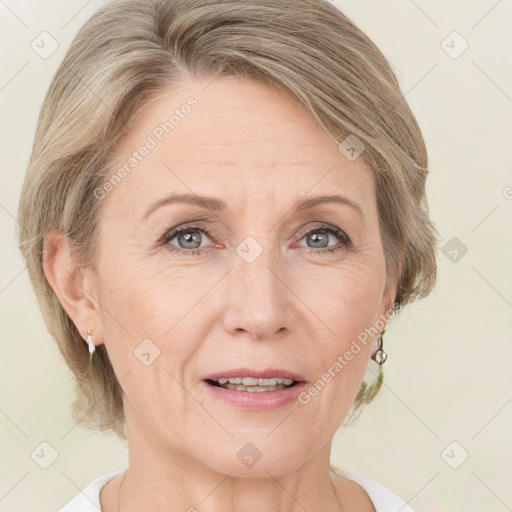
<point x="212" y="491"/>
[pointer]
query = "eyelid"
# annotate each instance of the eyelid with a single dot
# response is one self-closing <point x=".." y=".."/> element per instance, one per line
<point x="341" y="234"/>
<point x="170" y="234"/>
<point x="196" y="225"/>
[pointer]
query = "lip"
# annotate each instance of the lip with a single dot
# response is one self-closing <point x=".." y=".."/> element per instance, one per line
<point x="268" y="373"/>
<point x="258" y="400"/>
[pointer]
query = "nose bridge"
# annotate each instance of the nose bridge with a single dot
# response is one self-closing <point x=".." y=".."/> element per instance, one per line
<point x="258" y="300"/>
<point x="256" y="261"/>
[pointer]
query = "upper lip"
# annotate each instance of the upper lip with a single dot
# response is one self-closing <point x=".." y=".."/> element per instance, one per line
<point x="268" y="373"/>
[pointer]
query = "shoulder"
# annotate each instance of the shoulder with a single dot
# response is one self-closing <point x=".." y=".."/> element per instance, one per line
<point x="88" y="500"/>
<point x="383" y="499"/>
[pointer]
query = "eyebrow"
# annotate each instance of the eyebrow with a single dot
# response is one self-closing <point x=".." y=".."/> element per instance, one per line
<point x="217" y="205"/>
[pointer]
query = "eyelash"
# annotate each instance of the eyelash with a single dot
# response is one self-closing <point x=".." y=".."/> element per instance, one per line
<point x="346" y="243"/>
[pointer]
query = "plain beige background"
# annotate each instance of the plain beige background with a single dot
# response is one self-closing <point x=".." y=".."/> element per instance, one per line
<point x="438" y="434"/>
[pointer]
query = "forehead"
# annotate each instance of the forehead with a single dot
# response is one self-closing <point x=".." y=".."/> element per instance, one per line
<point x="241" y="140"/>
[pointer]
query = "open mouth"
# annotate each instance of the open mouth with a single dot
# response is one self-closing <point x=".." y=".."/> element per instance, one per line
<point x="252" y="385"/>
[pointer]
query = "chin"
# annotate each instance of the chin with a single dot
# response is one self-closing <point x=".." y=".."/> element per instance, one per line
<point x="255" y="459"/>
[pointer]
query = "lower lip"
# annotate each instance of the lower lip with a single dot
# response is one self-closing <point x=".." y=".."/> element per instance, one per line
<point x="258" y="400"/>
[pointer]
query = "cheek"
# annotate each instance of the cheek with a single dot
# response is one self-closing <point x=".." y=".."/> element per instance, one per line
<point x="147" y="308"/>
<point x="141" y="317"/>
<point x="141" y="294"/>
<point x="348" y="295"/>
<point x="347" y="305"/>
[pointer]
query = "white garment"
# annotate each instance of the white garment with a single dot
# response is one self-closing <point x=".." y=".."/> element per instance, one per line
<point x="383" y="499"/>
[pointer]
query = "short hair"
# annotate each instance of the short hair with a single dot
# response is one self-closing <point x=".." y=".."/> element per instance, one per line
<point x="130" y="50"/>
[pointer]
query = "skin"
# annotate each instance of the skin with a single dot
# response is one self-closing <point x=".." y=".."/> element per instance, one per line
<point x="259" y="152"/>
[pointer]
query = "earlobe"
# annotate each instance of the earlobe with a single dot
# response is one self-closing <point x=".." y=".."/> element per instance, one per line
<point x="70" y="283"/>
<point x="392" y="288"/>
<point x="389" y="298"/>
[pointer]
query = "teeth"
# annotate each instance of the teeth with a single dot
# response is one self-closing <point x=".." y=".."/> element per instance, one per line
<point x="250" y="381"/>
<point x="251" y="389"/>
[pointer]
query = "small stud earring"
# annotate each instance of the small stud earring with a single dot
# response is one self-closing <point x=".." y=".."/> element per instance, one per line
<point x="92" y="346"/>
<point x="380" y="355"/>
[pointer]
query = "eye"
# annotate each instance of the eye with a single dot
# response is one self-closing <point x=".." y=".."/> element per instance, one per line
<point x="319" y="237"/>
<point x="189" y="239"/>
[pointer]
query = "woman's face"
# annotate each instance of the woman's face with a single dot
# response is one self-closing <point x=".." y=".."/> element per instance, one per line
<point x="253" y="282"/>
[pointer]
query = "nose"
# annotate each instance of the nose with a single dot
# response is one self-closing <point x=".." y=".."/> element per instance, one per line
<point x="257" y="301"/>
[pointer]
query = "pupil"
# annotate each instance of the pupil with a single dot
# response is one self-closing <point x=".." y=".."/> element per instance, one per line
<point x="318" y="238"/>
<point x="189" y="237"/>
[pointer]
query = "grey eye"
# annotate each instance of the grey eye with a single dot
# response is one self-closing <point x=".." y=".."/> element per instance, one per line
<point x="188" y="238"/>
<point x="321" y="240"/>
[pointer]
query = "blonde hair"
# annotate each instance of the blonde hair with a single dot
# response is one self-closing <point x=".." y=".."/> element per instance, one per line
<point x="131" y="49"/>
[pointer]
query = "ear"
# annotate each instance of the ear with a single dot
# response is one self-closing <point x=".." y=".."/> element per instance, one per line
<point x="390" y="290"/>
<point x="73" y="286"/>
